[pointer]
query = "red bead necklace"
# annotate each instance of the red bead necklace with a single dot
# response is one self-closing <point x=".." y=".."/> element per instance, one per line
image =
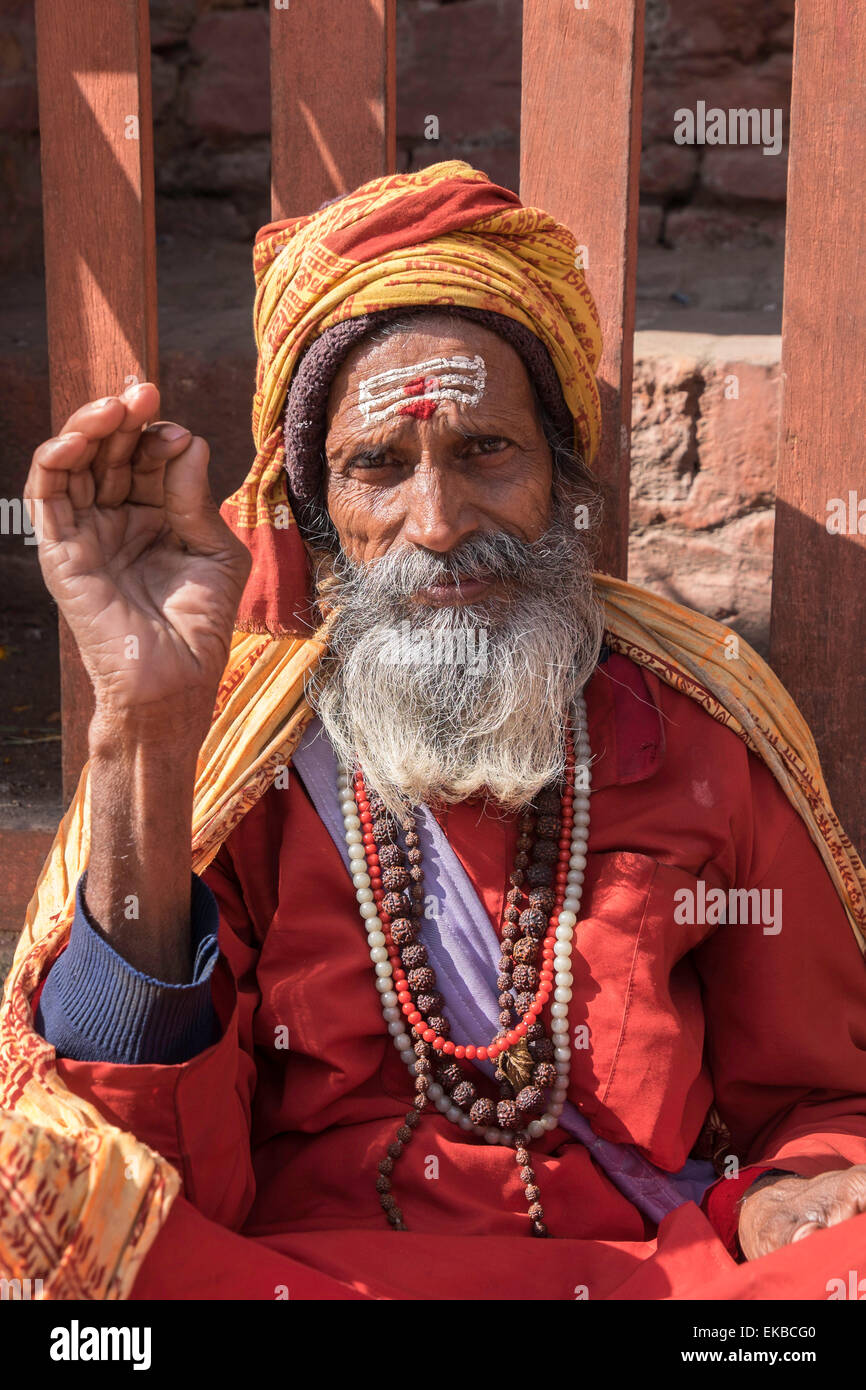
<point x="491" y="1050"/>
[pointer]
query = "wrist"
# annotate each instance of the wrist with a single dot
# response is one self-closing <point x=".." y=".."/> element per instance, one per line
<point x="165" y="727"/>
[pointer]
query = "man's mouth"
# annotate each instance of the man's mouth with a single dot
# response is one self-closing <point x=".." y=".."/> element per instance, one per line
<point x="456" y="591"/>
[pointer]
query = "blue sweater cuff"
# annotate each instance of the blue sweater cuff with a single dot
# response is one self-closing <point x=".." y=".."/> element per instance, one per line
<point x="95" y="1007"/>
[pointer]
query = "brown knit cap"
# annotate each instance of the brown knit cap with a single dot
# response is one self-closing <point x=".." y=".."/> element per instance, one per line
<point x="306" y="405"/>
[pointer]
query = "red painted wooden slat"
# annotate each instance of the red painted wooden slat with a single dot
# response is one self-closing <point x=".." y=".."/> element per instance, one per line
<point x="333" y="122"/>
<point x="818" y="643"/>
<point x="23" y="851"/>
<point x="100" y="243"/>
<point x="579" y="160"/>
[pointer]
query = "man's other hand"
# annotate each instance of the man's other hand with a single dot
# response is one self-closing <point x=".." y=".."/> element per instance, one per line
<point x="791" y="1208"/>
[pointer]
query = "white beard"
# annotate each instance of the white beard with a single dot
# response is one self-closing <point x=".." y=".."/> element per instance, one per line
<point x="441" y="704"/>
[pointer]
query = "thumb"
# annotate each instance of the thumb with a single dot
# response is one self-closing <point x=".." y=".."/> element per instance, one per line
<point x="190" y="509"/>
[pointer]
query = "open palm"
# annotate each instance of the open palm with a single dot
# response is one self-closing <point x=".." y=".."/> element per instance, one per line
<point x="134" y="550"/>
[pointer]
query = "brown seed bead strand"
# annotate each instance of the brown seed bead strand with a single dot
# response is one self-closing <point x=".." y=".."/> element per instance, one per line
<point x="511" y="927"/>
<point x="387" y="857"/>
<point x="527" y="917"/>
<point x="530" y="1186"/>
<point x="393" y="1214"/>
<point x="525" y="922"/>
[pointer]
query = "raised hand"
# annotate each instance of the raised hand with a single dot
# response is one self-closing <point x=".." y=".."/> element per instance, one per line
<point x="136" y="554"/>
<point x="148" y="576"/>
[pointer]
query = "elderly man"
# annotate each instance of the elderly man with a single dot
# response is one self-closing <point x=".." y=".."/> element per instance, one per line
<point x="425" y="996"/>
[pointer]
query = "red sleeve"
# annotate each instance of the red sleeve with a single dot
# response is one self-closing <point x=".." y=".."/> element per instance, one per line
<point x="785" y="1008"/>
<point x="197" y="1113"/>
<point x="720" y="1204"/>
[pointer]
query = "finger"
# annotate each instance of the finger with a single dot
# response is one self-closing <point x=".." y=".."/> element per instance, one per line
<point x="846" y="1206"/>
<point x="112" y="462"/>
<point x="90" y="419"/>
<point x="190" y="509"/>
<point x="97" y="420"/>
<point x="158" y="444"/>
<point x="842" y="1194"/>
<point x="58" y="470"/>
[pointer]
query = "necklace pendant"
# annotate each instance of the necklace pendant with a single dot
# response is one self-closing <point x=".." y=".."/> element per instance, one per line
<point x="517" y="1064"/>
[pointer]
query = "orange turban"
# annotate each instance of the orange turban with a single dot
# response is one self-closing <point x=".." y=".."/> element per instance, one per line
<point x="443" y="236"/>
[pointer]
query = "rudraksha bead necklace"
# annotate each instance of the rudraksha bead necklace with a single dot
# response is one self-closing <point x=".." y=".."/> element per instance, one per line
<point x="543" y="902"/>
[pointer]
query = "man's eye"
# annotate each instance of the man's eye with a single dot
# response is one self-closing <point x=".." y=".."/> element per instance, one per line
<point x="486" y="444"/>
<point x="367" y="461"/>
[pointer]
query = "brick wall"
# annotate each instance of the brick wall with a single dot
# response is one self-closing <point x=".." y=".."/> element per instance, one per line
<point x="458" y="61"/>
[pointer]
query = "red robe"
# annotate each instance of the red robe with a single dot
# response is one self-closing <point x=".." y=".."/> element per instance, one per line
<point x="278" y="1147"/>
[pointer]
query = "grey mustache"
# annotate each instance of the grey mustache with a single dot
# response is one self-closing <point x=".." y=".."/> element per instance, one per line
<point x="499" y="556"/>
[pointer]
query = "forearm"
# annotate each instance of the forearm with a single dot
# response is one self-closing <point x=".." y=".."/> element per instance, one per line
<point x="142" y="777"/>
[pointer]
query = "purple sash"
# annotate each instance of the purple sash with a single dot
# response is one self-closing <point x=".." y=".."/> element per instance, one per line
<point x="464" y="950"/>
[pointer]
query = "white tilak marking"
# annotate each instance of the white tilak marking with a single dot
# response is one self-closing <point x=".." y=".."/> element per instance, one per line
<point x="444" y="378"/>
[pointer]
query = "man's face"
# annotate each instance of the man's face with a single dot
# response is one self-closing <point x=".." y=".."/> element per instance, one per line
<point x="463" y="613"/>
<point x="434" y="437"/>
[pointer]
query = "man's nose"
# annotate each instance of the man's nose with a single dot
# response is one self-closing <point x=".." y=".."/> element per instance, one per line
<point x="439" y="514"/>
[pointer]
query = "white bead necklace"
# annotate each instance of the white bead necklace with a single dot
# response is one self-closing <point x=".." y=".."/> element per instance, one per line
<point x="566" y="923"/>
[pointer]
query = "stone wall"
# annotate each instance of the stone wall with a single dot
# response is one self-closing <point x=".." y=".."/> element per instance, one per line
<point x="458" y="60"/>
<point x="705" y="420"/>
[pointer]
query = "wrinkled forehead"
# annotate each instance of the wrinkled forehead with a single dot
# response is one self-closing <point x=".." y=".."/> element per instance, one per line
<point x="432" y="367"/>
<point x="420" y="388"/>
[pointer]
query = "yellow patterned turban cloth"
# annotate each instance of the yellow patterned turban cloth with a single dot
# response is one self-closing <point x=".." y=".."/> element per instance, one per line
<point x="446" y="236"/>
